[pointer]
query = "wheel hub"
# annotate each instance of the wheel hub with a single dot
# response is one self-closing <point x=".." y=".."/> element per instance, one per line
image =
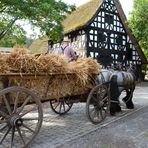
<point x="15" y="120"/>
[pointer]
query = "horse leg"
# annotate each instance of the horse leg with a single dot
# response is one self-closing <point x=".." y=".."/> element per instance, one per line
<point x="129" y="103"/>
<point x="114" y="107"/>
<point x="114" y="95"/>
<point x="128" y="99"/>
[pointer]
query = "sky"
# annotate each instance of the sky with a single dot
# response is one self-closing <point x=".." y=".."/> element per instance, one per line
<point x="126" y="5"/>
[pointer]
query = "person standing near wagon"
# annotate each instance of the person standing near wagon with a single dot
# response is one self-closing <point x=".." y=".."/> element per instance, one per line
<point x="67" y="50"/>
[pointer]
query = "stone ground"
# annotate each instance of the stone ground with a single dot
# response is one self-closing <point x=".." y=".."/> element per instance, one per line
<point x="128" y="129"/>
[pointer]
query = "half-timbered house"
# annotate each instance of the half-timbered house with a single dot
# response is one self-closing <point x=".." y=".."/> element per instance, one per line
<point x="99" y="29"/>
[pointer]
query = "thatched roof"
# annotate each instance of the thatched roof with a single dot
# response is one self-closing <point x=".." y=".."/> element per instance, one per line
<point x="81" y="16"/>
<point x="39" y="46"/>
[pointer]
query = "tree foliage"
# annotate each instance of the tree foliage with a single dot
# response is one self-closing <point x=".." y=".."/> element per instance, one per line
<point x="14" y="35"/>
<point x="47" y="15"/>
<point x="138" y="22"/>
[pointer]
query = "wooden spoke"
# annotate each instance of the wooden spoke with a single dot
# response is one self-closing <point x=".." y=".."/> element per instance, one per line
<point x="100" y="113"/>
<point x="8" y="130"/>
<point x="4" y="115"/>
<point x="16" y="102"/>
<point x="63" y="105"/>
<point x="56" y="105"/>
<point x="97" y="116"/>
<point x="23" y="114"/>
<point x="27" y="119"/>
<point x="28" y="128"/>
<point x="94" y="99"/>
<point x="7" y="104"/>
<point x="69" y="105"/>
<point x="23" y="105"/>
<point x="93" y="113"/>
<point x="2" y="121"/>
<point x="60" y="107"/>
<point x="20" y="134"/>
<point x="12" y="136"/>
<point x="1" y="129"/>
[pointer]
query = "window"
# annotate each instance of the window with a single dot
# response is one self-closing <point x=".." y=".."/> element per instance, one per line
<point x="109" y="19"/>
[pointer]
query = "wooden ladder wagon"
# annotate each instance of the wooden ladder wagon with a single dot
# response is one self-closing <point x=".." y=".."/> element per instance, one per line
<point x="21" y="98"/>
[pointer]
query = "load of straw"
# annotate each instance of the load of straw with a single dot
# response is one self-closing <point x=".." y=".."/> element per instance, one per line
<point x="22" y="62"/>
<point x="85" y="69"/>
<point x="60" y="77"/>
<point x="53" y="63"/>
<point x="4" y="68"/>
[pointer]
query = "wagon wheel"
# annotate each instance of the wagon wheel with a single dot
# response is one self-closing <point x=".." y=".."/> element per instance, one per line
<point x="97" y="104"/>
<point x="19" y="122"/>
<point x="61" y="106"/>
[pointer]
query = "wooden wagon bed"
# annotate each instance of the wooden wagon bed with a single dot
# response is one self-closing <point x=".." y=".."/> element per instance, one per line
<point x="21" y="112"/>
<point x="49" y="86"/>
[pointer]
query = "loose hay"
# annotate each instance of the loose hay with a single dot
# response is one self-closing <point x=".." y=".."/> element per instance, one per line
<point x="4" y="68"/>
<point x="85" y="69"/>
<point x="22" y="62"/>
<point x="53" y="63"/>
<point x="49" y="76"/>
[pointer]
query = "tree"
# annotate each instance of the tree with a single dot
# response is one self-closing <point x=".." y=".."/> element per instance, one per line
<point x="138" y="22"/>
<point x="47" y="15"/>
<point x="13" y="35"/>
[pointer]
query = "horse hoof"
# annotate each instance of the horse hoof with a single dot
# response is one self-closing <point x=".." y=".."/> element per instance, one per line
<point x="112" y="113"/>
<point x="130" y="106"/>
<point x="118" y="108"/>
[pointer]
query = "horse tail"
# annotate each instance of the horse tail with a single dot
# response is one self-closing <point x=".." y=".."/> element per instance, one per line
<point x="114" y="94"/>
